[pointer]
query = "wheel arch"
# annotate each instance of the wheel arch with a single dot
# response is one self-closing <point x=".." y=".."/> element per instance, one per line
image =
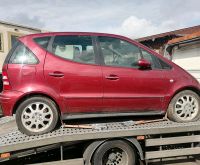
<point x="92" y="147"/>
<point x="185" y="88"/>
<point x="175" y="92"/>
<point x="29" y="95"/>
<point x="192" y="88"/>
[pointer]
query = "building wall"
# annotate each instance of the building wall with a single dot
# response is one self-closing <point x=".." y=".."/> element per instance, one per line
<point x="6" y="32"/>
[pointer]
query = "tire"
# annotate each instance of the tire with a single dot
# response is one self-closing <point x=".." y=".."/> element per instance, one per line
<point x="116" y="152"/>
<point x="184" y="107"/>
<point x="36" y="116"/>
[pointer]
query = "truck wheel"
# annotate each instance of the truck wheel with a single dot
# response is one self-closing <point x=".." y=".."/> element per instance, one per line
<point x="184" y="107"/>
<point x="116" y="152"/>
<point x="36" y="115"/>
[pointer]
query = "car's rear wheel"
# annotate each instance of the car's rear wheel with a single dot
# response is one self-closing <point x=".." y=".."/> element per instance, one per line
<point x="184" y="107"/>
<point x="36" y="115"/>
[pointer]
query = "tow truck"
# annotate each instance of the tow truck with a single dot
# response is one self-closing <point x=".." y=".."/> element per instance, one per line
<point x="109" y="143"/>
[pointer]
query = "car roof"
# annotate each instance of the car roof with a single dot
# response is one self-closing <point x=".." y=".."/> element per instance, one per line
<point x="32" y="36"/>
<point x="71" y="33"/>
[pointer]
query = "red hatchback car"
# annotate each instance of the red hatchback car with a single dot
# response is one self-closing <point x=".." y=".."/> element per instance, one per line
<point x="53" y="76"/>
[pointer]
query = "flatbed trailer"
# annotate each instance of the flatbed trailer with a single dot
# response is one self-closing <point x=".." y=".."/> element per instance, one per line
<point x="150" y="141"/>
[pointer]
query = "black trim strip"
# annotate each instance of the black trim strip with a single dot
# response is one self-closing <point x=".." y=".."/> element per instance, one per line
<point x="107" y="114"/>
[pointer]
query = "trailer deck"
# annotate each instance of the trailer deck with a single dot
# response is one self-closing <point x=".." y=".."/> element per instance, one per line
<point x="15" y="140"/>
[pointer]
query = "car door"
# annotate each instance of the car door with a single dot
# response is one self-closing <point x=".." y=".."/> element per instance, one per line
<point x="71" y="69"/>
<point x="127" y="88"/>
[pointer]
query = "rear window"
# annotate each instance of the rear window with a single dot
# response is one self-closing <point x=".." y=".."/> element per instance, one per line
<point x="20" y="54"/>
<point x="42" y="41"/>
<point x="11" y="51"/>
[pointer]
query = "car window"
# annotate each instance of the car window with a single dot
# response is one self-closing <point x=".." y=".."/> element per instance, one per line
<point x="151" y="58"/>
<point x="156" y="62"/>
<point x="117" y="52"/>
<point x="164" y="65"/>
<point x="76" y="48"/>
<point x="42" y="41"/>
<point x="22" y="55"/>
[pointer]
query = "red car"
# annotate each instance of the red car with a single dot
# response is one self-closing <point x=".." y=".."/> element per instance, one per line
<point x="54" y="76"/>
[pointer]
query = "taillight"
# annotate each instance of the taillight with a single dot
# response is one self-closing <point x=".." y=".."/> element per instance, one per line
<point x="6" y="83"/>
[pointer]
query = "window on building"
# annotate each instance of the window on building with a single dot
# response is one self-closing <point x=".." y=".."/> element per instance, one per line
<point x="1" y="42"/>
<point x="12" y="38"/>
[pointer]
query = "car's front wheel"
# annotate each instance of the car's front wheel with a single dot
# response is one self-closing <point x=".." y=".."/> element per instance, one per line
<point x="184" y="107"/>
<point x="36" y="115"/>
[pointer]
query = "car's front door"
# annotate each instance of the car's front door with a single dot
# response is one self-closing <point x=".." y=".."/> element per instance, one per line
<point x="71" y="68"/>
<point x="127" y="88"/>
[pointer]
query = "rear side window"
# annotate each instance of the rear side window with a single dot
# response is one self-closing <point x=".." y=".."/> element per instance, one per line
<point x="22" y="55"/>
<point x="75" y="48"/>
<point x="42" y="41"/>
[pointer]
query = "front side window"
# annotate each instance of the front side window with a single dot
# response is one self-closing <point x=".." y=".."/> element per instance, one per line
<point x="22" y="55"/>
<point x="164" y="65"/>
<point x="118" y="52"/>
<point x="156" y="63"/>
<point x="151" y="58"/>
<point x="76" y="48"/>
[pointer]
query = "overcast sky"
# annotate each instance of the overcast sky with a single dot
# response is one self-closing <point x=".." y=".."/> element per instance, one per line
<point x="133" y="18"/>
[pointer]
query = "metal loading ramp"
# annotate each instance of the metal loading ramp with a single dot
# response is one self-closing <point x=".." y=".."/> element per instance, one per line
<point x="15" y="140"/>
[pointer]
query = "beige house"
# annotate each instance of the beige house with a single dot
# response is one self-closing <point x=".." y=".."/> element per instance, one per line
<point x="8" y="34"/>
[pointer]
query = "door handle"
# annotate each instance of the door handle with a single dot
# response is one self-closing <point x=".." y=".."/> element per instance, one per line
<point x="56" y="74"/>
<point x="112" y="77"/>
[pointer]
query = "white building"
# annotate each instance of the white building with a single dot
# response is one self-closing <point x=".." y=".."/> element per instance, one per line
<point x="185" y="52"/>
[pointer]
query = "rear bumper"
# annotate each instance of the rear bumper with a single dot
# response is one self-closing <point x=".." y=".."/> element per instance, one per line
<point x="8" y="100"/>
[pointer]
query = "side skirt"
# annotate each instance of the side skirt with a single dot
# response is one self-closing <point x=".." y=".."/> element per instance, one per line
<point x="66" y="116"/>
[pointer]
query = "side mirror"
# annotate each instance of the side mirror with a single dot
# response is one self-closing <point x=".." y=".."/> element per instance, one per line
<point x="144" y="64"/>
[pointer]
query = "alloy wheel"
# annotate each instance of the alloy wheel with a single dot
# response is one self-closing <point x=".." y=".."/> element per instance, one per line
<point x="186" y="107"/>
<point x="37" y="117"/>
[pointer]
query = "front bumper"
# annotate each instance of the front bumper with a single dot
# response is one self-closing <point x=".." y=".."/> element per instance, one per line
<point x="8" y="100"/>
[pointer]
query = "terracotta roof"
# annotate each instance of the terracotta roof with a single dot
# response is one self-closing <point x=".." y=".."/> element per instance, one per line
<point x="183" y="31"/>
<point x="187" y="37"/>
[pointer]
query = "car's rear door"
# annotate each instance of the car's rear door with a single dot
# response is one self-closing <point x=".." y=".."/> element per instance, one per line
<point x="126" y="87"/>
<point x="71" y="69"/>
